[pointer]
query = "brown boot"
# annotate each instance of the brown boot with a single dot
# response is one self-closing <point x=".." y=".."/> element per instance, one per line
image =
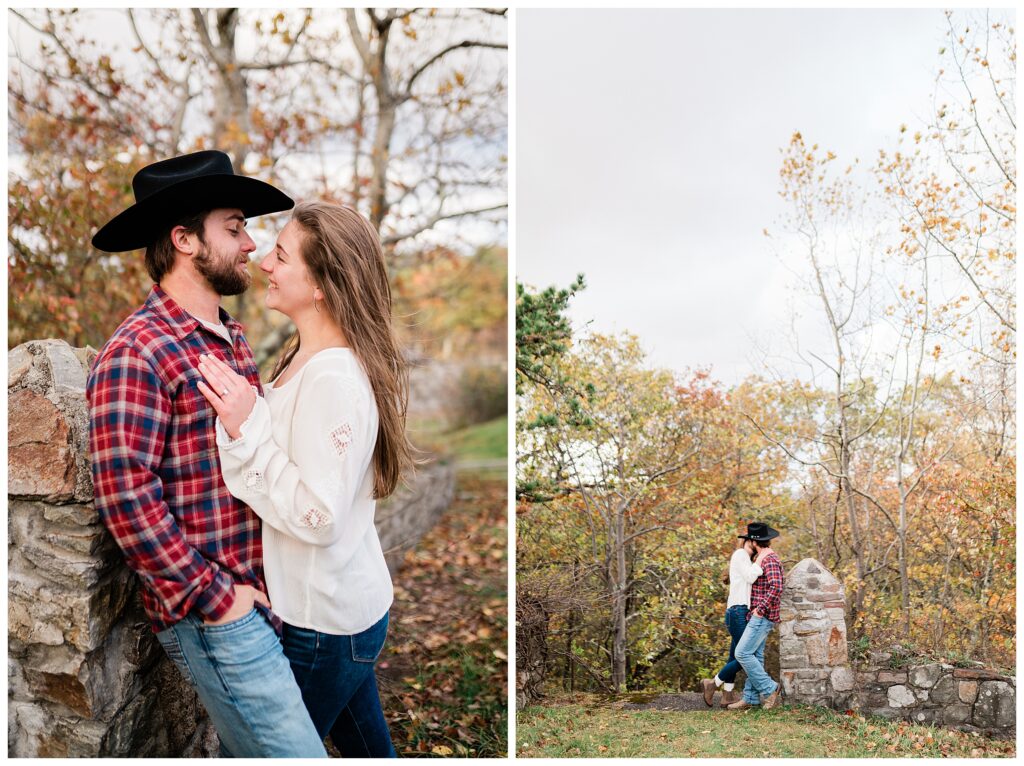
<point x="730" y="697"/>
<point x="773" y="700"/>
<point x="707" y="686"/>
<point x="741" y="705"/>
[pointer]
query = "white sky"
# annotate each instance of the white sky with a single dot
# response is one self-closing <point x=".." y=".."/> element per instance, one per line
<point x="648" y="157"/>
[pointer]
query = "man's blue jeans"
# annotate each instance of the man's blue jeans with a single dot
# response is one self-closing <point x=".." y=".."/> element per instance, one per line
<point x="736" y="622"/>
<point x="246" y="685"/>
<point x="750" y="654"/>
<point x="336" y="676"/>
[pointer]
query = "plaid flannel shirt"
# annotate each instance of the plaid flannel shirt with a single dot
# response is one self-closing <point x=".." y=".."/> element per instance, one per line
<point x="155" y="468"/>
<point x="766" y="592"/>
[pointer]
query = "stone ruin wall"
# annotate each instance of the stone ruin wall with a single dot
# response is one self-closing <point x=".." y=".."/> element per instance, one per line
<point x="86" y="676"/>
<point x="969" y="699"/>
<point x="815" y="667"/>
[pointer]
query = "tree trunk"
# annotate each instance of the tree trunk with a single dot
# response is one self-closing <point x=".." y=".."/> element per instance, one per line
<point x="373" y="52"/>
<point x="618" y="583"/>
<point x="570" y="657"/>
<point x="381" y="157"/>
<point x="231" y="124"/>
<point x="904" y="576"/>
<point x="943" y="597"/>
<point x="856" y="539"/>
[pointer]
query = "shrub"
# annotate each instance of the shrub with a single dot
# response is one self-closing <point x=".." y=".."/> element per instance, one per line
<point x="483" y="394"/>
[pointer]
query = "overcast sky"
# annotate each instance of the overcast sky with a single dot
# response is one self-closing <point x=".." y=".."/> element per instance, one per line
<point x="648" y="157"/>
<point x="111" y="32"/>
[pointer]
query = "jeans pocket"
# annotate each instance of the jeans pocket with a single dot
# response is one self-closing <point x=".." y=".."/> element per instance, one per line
<point x="366" y="646"/>
<point x="169" y="641"/>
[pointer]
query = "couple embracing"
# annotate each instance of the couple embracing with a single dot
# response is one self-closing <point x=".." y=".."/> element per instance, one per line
<point x="755" y="593"/>
<point x="247" y="509"/>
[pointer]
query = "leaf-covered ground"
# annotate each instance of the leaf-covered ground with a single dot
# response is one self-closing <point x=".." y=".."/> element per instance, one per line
<point x="444" y="670"/>
<point x="585" y="726"/>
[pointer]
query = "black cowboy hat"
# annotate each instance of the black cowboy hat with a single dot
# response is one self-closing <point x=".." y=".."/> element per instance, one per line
<point x="759" y="532"/>
<point x="173" y="189"/>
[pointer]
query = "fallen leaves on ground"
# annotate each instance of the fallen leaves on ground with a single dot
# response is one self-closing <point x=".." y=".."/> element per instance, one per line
<point x="444" y="671"/>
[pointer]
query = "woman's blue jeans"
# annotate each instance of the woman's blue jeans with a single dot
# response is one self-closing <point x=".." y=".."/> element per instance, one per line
<point x="736" y="622"/>
<point x="336" y="677"/>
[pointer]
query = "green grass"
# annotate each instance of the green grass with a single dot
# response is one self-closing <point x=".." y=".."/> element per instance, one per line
<point x="602" y="729"/>
<point x="482" y="441"/>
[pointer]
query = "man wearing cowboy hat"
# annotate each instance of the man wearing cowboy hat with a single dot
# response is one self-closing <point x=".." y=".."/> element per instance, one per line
<point x="158" y="486"/>
<point x="765" y="599"/>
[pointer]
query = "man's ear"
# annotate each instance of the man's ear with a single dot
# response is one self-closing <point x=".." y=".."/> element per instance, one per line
<point x="182" y="240"/>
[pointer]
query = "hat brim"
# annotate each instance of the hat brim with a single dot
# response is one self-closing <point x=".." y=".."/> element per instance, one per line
<point x="772" y="534"/>
<point x="140" y="224"/>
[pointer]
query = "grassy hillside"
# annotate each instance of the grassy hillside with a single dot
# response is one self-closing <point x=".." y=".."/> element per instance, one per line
<point x="588" y="727"/>
<point x="482" y="441"/>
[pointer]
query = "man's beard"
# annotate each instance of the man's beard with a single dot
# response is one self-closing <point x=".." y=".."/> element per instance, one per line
<point x="222" y="274"/>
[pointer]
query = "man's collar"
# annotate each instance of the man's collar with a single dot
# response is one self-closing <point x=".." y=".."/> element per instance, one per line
<point x="181" y="323"/>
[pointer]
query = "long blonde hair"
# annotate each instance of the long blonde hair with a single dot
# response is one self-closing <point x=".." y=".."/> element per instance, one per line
<point x="343" y="255"/>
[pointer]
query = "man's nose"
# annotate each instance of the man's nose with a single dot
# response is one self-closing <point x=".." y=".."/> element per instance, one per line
<point x="247" y="243"/>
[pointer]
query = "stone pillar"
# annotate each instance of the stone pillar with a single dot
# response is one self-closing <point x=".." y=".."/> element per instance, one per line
<point x="86" y="676"/>
<point x="813" y="658"/>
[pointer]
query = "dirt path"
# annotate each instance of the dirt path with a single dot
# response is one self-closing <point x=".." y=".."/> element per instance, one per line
<point x="685" y="702"/>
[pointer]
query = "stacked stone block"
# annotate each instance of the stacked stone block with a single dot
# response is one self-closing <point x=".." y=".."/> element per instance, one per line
<point x="813" y="660"/>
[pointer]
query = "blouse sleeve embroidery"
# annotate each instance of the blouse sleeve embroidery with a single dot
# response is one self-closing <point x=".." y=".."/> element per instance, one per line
<point x="315" y="519"/>
<point x="341" y="438"/>
<point x="254" y="480"/>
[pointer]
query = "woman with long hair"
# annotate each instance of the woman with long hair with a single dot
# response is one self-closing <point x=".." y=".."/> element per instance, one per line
<point x="313" y="455"/>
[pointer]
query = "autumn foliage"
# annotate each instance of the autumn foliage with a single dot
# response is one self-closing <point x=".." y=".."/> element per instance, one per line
<point x="398" y="113"/>
<point x="892" y="461"/>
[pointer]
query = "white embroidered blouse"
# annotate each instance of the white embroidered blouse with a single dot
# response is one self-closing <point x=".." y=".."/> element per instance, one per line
<point x="303" y="463"/>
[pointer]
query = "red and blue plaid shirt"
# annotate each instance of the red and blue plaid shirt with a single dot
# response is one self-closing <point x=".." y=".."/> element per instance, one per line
<point x="155" y="468"/>
<point x="766" y="592"/>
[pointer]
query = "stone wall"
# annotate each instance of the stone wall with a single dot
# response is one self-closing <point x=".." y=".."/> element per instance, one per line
<point x="86" y="676"/>
<point x="815" y="669"/>
<point x="968" y="699"/>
